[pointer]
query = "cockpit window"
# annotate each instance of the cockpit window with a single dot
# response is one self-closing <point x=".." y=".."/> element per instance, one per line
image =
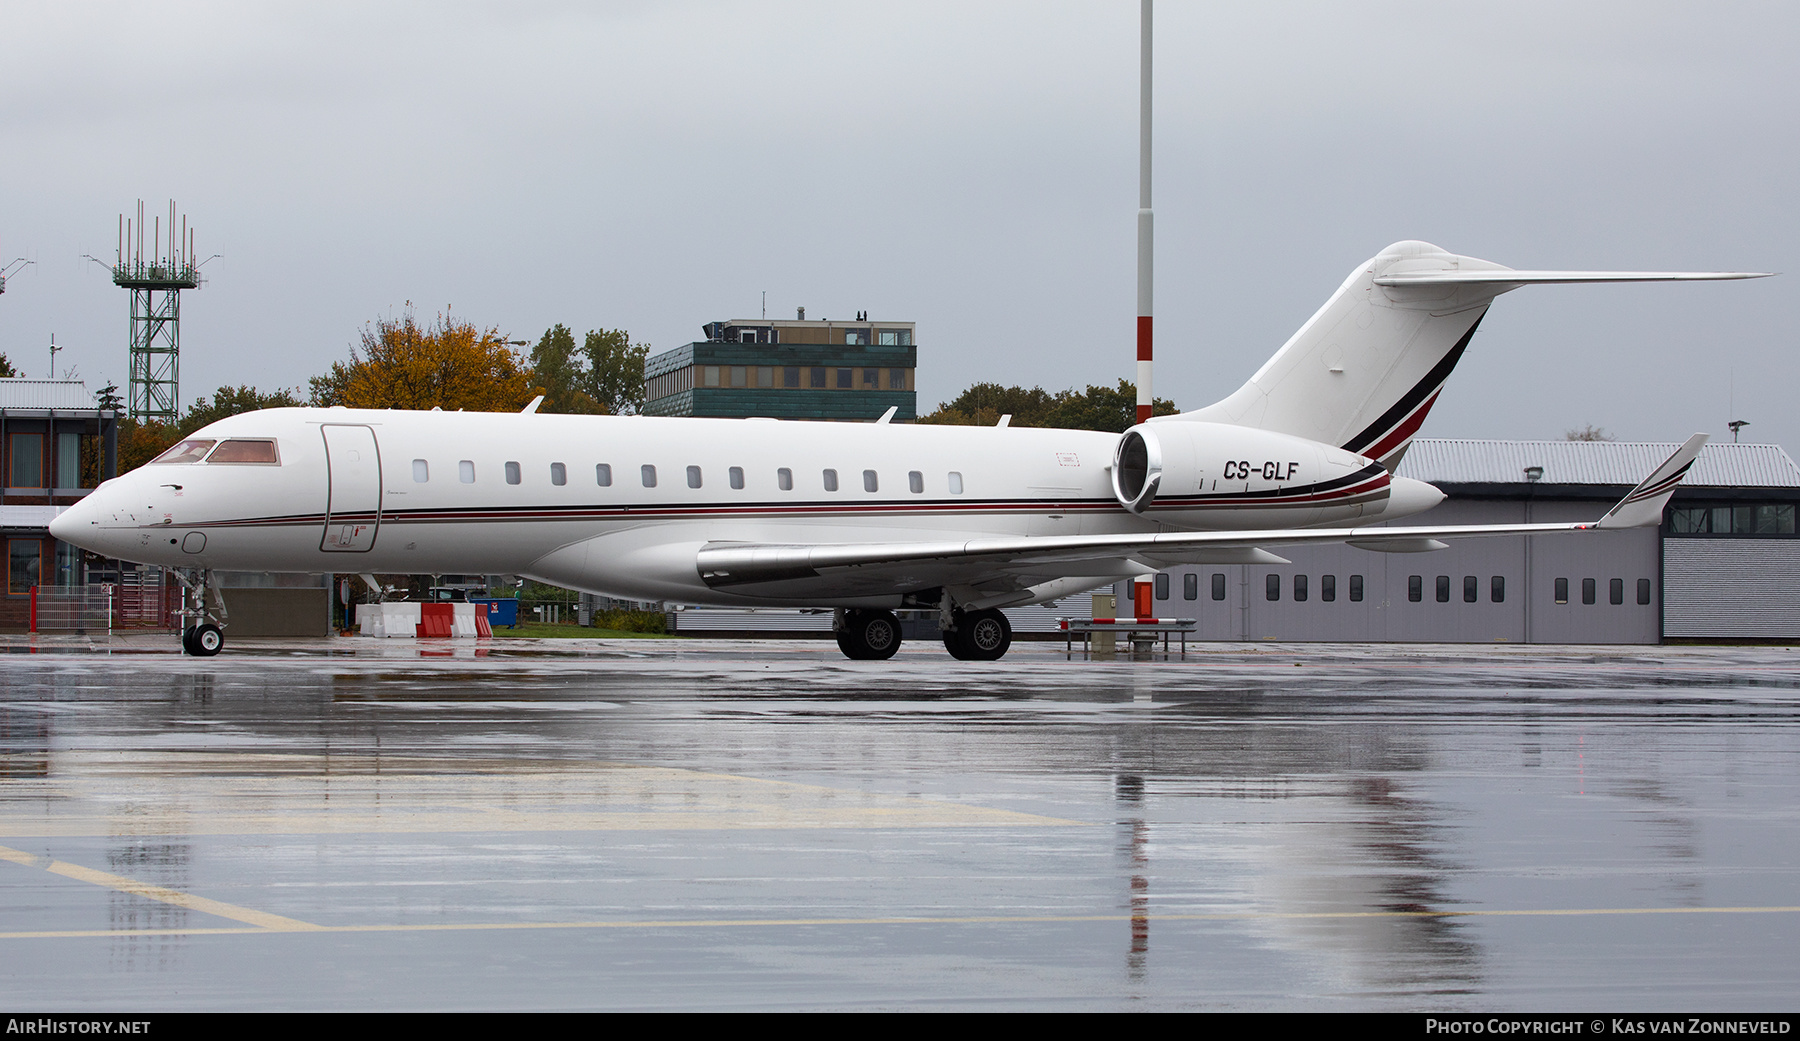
<point x="185" y="452"/>
<point x="245" y="450"/>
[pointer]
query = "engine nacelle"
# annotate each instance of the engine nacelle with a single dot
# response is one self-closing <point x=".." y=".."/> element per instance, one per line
<point x="1178" y="462"/>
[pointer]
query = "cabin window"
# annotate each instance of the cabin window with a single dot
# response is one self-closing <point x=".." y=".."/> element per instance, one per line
<point x="915" y="482"/>
<point x="648" y="473"/>
<point x="465" y="471"/>
<point x="1615" y="591"/>
<point x="693" y="476"/>
<point x="784" y="479"/>
<point x="1328" y="588"/>
<point x="1471" y="589"/>
<point x="1300" y="588"/>
<point x="830" y="480"/>
<point x="1218" y="586"/>
<point x="736" y="474"/>
<point x="1356" y="589"/>
<point x="185" y="452"/>
<point x="870" y="482"/>
<point x="1190" y="586"/>
<point x="421" y="471"/>
<point x="603" y="474"/>
<point x="1162" y="587"/>
<point x="513" y="475"/>
<point x="955" y="483"/>
<point x="559" y="474"/>
<point x="245" y="450"/>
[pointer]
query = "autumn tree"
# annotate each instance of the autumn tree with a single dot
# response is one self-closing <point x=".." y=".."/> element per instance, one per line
<point x="451" y="365"/>
<point x="6" y="368"/>
<point x="1099" y="408"/>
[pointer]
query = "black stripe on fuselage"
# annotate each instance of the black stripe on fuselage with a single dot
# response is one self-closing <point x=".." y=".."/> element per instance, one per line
<point x="1417" y="395"/>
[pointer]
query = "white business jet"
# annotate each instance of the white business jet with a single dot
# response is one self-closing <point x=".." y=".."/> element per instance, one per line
<point x="863" y="518"/>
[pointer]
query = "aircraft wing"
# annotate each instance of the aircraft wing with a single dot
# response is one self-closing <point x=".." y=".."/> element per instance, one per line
<point x="1010" y="565"/>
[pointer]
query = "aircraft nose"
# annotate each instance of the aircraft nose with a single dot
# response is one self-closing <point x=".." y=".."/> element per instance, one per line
<point x="79" y="525"/>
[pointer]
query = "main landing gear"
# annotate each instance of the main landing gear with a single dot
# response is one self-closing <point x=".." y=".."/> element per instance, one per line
<point x="202" y="624"/>
<point x="978" y="635"/>
<point x="866" y="635"/>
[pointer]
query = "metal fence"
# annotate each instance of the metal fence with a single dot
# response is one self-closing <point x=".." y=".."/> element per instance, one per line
<point x="78" y="609"/>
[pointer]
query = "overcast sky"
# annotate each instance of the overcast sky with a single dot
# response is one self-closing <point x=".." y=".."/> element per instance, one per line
<point x="970" y="167"/>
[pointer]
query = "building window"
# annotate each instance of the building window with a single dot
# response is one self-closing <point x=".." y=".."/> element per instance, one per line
<point x="870" y="483"/>
<point x="955" y="483"/>
<point x="857" y="337"/>
<point x="1162" y="587"/>
<point x="1218" y="586"/>
<point x="871" y="379"/>
<point x="603" y="474"/>
<point x="765" y="376"/>
<point x="915" y="482"/>
<point x="465" y="471"/>
<point x="1587" y="590"/>
<point x="1328" y="588"/>
<point x="1471" y="589"/>
<point x="421" y="471"/>
<point x="830" y="478"/>
<point x="513" y="476"/>
<point x="1615" y="591"/>
<point x="736" y="476"/>
<point x="709" y="376"/>
<point x="790" y="377"/>
<point x="559" y="474"/>
<point x="1300" y="589"/>
<point x="1272" y="587"/>
<point x="693" y="476"/>
<point x="68" y="460"/>
<point x="896" y="379"/>
<point x="740" y="376"/>
<point x="1443" y="589"/>
<point x="1769" y="518"/>
<point x="1562" y="590"/>
<point x="1190" y="586"/>
<point x="1415" y="588"/>
<point x="1356" y="589"/>
<point x="1497" y="589"/>
<point x="845" y="380"/>
<point x="784" y="479"/>
<point x="647" y="473"/>
<point x="27" y="469"/>
<point x="894" y="337"/>
<point x="23" y="563"/>
<point x="818" y="377"/>
<point x="1644" y="592"/>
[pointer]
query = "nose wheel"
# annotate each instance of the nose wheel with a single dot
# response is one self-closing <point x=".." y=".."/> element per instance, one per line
<point x="203" y="615"/>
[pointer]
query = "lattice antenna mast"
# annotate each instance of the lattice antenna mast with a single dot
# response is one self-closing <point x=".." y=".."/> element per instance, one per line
<point x="156" y="267"/>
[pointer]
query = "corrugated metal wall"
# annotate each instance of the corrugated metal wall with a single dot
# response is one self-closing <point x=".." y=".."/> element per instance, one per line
<point x="1731" y="588"/>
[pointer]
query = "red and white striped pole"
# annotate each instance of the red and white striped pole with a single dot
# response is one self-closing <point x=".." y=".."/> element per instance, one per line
<point x="1146" y="255"/>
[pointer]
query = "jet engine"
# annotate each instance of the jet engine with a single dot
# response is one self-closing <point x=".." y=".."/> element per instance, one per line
<point x="1175" y="460"/>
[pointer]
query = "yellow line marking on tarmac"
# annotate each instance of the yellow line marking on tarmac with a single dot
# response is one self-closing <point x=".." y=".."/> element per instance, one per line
<point x="263" y="920"/>
<point x="722" y="923"/>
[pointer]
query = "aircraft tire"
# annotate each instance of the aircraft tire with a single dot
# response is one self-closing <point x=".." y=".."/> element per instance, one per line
<point x="869" y="635"/>
<point x="206" y="641"/>
<point x="979" y="636"/>
<point x="187" y="640"/>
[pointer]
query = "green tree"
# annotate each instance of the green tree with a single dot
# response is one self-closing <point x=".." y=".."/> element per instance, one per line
<point x="6" y="368"/>
<point x="615" y="370"/>
<point x="557" y="371"/>
<point x="1099" y="408"/>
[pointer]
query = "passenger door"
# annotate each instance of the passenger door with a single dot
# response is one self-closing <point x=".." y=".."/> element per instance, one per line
<point x="353" y="504"/>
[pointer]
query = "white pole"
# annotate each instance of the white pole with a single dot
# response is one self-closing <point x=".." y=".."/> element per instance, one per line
<point x="1146" y="237"/>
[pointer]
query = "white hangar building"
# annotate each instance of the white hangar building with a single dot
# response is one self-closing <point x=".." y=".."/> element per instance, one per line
<point x="1724" y="565"/>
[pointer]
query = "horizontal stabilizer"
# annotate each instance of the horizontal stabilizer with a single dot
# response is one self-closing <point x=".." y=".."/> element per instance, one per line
<point x="1644" y="505"/>
<point x="1507" y="277"/>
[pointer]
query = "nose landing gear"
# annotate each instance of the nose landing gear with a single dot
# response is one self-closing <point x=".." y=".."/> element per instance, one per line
<point x="202" y="625"/>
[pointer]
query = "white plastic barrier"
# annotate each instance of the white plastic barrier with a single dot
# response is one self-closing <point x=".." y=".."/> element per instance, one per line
<point x="404" y="618"/>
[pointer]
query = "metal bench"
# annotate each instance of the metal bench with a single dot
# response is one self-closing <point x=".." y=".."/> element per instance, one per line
<point x="1087" y="627"/>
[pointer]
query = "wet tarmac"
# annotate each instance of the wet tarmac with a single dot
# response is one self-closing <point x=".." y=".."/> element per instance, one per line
<point x="353" y="824"/>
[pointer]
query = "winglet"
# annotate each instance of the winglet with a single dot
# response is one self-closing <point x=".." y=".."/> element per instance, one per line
<point x="533" y="407"/>
<point x="1644" y="506"/>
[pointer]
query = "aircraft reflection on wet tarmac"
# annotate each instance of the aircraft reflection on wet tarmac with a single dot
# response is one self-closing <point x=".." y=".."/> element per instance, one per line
<point x="725" y="824"/>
